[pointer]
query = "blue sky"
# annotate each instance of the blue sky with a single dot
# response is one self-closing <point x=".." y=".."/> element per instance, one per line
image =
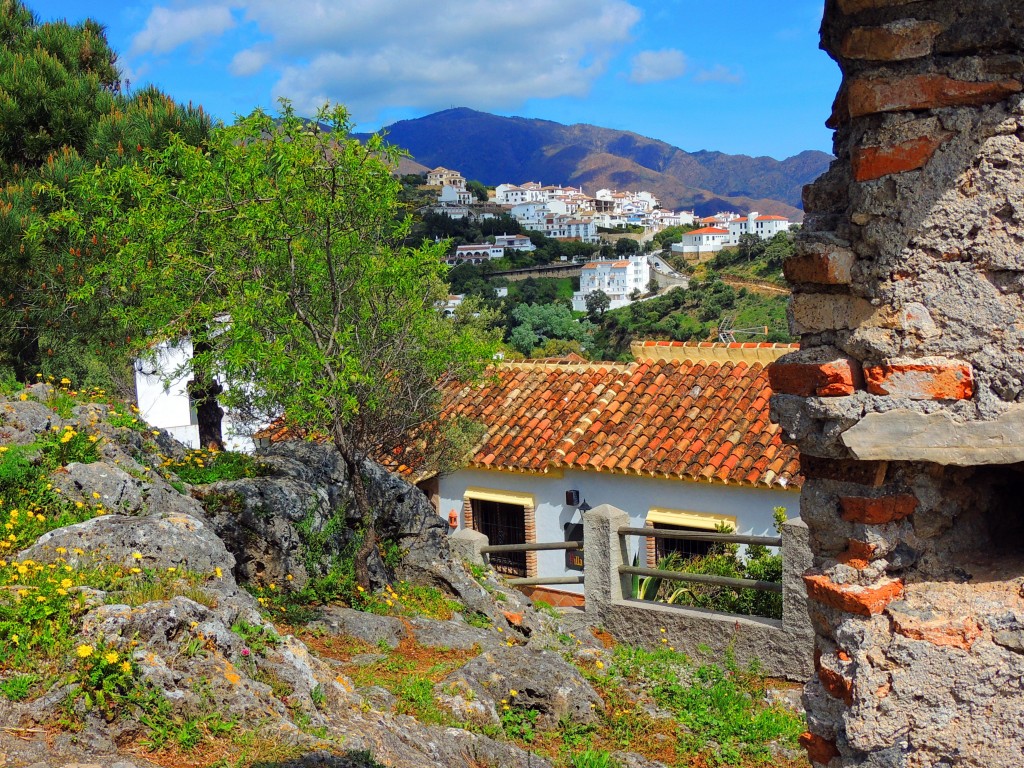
<point x="737" y="76"/>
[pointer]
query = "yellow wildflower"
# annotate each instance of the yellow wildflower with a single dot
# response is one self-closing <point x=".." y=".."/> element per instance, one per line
<point x="126" y="667"/>
<point x="218" y="572"/>
<point x="599" y="664"/>
<point x="137" y="555"/>
<point x="66" y="583"/>
<point x="111" y="657"/>
<point x="84" y="651"/>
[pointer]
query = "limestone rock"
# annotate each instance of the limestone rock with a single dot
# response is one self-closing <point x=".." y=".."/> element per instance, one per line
<point x="541" y="680"/>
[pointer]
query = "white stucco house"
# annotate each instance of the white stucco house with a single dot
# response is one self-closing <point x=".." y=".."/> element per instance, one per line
<point x="680" y="439"/>
<point x="703" y="240"/>
<point x="617" y="278"/>
<point x="476" y="253"/>
<point x="441" y="176"/>
<point x="515" y="243"/>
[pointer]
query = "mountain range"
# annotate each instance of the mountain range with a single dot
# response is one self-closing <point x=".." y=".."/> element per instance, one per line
<point x="494" y="150"/>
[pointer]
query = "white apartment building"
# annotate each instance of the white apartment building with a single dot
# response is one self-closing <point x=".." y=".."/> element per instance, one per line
<point x="453" y="194"/>
<point x="516" y="194"/>
<point x="765" y="227"/>
<point x="617" y="279"/>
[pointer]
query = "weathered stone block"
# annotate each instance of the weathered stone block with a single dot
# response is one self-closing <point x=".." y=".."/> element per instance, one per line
<point x="877" y="510"/>
<point x="875" y="162"/>
<point x="901" y="40"/>
<point x="816" y="312"/>
<point x="921" y="381"/>
<point x="819" y="749"/>
<point x="830" y="267"/>
<point x="852" y="598"/>
<point x="904" y="435"/>
<point x="868" y="96"/>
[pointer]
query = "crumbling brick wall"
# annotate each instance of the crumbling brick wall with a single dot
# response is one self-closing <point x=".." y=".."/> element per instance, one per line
<point x="907" y="396"/>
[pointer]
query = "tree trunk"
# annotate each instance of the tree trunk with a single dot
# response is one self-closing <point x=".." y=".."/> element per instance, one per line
<point x="362" y="500"/>
<point x="203" y="390"/>
<point x="209" y="414"/>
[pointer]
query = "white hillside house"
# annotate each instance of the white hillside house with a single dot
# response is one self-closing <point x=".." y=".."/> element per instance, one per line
<point x="515" y="242"/>
<point x="617" y="279"/>
<point x="161" y="389"/>
<point x="703" y="240"/>
<point x="441" y="177"/>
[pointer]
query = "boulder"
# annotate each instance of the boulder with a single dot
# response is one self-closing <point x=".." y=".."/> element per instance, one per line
<point x="524" y="678"/>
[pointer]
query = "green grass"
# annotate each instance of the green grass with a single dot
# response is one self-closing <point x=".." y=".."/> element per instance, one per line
<point x="200" y="467"/>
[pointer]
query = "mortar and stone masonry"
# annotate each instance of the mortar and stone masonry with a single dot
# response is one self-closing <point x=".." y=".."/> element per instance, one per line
<point x="906" y="398"/>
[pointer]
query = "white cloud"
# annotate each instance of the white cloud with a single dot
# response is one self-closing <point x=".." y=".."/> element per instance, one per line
<point x="166" y="28"/>
<point x="656" y="66"/>
<point x="719" y="74"/>
<point x="488" y="54"/>
<point x="249" y="61"/>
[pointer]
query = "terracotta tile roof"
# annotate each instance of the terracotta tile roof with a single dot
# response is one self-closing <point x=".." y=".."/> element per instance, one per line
<point x="707" y="231"/>
<point x="685" y="419"/>
<point x="674" y="419"/>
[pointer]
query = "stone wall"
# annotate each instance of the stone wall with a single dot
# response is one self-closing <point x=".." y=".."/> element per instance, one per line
<point x="907" y="396"/>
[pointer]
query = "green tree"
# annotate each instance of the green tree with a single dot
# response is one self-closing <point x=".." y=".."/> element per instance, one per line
<point x="626" y="245"/>
<point x="62" y="110"/>
<point x="478" y="189"/>
<point x="537" y="323"/>
<point x="598" y="303"/>
<point x="279" y="252"/>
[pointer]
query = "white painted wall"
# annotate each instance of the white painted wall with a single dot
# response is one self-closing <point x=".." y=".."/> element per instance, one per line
<point x="752" y="507"/>
<point x="161" y="391"/>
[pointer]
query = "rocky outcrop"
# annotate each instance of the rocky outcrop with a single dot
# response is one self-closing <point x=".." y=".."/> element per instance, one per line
<point x="300" y="515"/>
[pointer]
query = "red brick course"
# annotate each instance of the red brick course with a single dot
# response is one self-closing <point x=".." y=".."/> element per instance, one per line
<point x="858" y="554"/>
<point x="838" y="687"/>
<point x="877" y="510"/>
<point x="828" y="268"/>
<point x="921" y="381"/>
<point x="893" y="42"/>
<point x="832" y="379"/>
<point x="852" y="598"/>
<point x="868" y="96"/>
<point x="819" y="749"/>
<point x="875" y="162"/>
<point x="950" y="632"/>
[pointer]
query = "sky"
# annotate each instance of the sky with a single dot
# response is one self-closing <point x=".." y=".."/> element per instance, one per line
<point x="736" y="76"/>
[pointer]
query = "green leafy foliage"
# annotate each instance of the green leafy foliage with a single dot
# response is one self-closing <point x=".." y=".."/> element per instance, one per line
<point x="199" y="467"/>
<point x="757" y="563"/>
<point x="63" y="111"/>
<point x="280" y="253"/>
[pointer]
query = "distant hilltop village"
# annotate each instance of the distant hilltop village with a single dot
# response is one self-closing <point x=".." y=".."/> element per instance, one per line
<point x="569" y="214"/>
<point x="563" y="213"/>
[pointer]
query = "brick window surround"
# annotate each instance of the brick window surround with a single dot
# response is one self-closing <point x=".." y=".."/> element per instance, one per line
<point x="526" y="500"/>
